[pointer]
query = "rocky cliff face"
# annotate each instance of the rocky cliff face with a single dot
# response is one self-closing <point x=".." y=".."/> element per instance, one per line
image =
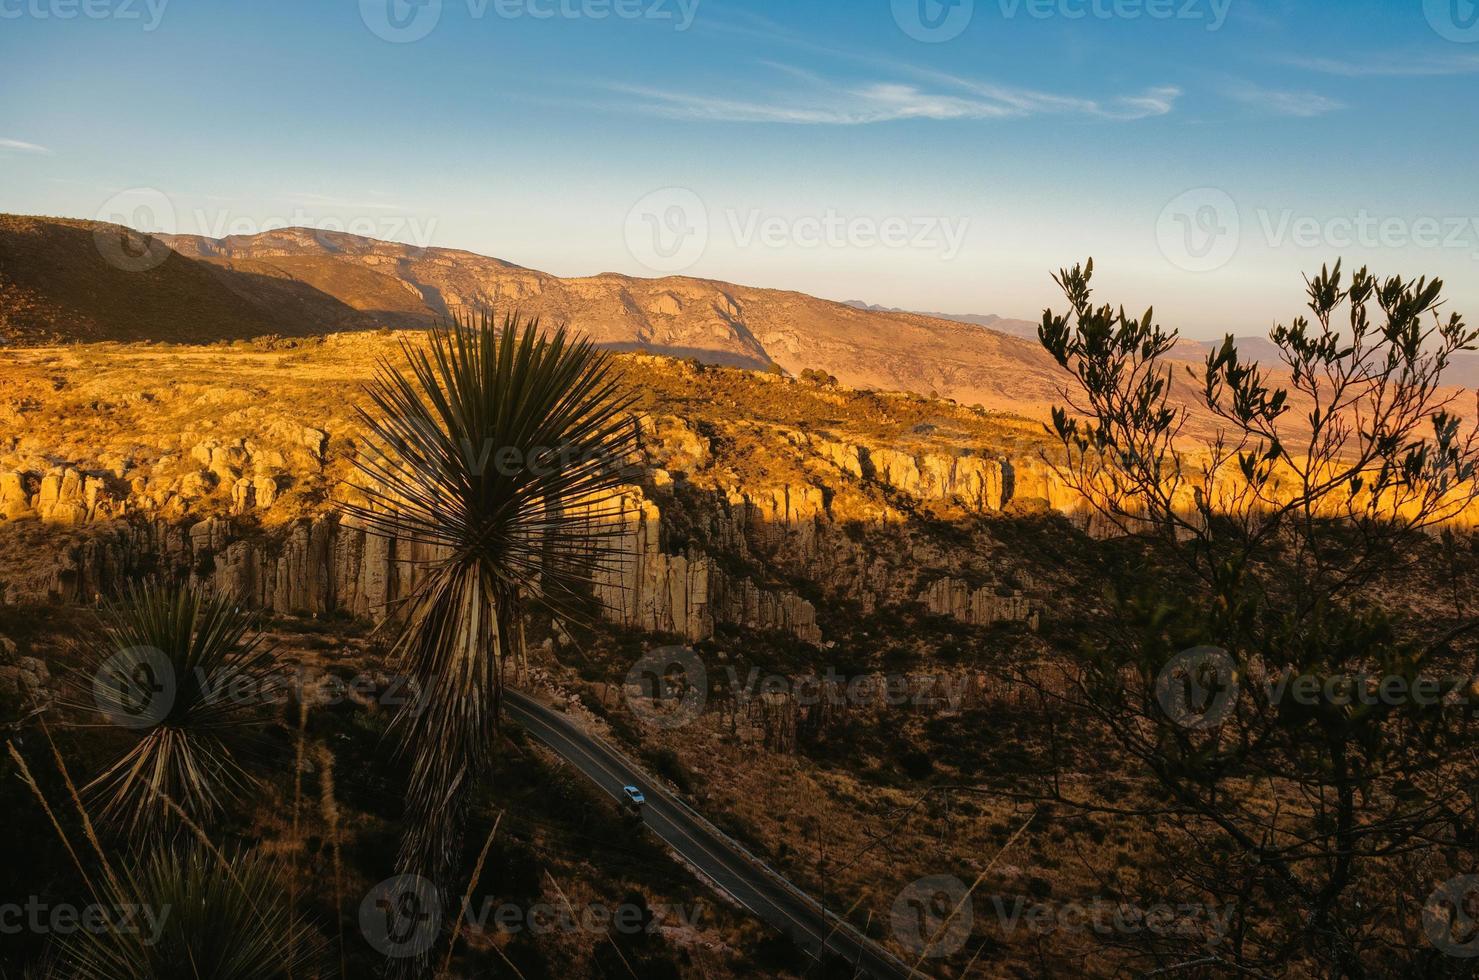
<point x="755" y="501"/>
<point x="748" y="515"/>
<point x="691" y="558"/>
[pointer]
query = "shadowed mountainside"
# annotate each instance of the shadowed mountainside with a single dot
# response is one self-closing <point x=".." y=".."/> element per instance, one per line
<point x="63" y="280"/>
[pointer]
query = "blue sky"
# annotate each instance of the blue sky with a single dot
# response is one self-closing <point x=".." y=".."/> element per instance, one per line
<point x="1205" y="152"/>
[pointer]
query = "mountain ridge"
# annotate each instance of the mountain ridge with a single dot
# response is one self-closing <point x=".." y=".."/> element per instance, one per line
<point x="1011" y="326"/>
<point x="67" y="280"/>
<point x="300" y="281"/>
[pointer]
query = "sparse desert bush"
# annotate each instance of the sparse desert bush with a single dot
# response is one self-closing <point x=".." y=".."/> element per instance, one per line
<point x="1276" y="554"/>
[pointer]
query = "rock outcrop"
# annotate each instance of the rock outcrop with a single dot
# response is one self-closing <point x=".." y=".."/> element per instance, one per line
<point x="979" y="607"/>
<point x="742" y="523"/>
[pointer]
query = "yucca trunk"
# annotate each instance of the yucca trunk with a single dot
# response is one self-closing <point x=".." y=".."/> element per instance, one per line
<point x="456" y="664"/>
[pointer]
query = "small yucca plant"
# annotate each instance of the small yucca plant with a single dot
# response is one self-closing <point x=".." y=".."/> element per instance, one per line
<point x="186" y="677"/>
<point x="193" y="915"/>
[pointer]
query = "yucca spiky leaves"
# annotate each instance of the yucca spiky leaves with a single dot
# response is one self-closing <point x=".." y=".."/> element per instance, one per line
<point x="184" y="676"/>
<point x="492" y="454"/>
<point x="192" y="915"/>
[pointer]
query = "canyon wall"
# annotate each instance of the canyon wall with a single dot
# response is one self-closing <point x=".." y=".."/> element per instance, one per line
<point x="693" y="554"/>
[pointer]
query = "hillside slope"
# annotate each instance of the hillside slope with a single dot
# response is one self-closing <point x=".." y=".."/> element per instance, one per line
<point x="717" y="322"/>
<point x="64" y="280"/>
<point x="68" y="281"/>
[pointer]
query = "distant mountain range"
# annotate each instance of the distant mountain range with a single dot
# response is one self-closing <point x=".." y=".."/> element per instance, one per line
<point x="64" y="280"/>
<point x="1462" y="370"/>
<point x="1026" y="329"/>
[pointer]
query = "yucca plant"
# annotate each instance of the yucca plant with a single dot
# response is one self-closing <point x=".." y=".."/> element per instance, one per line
<point x="184" y="676"/>
<point x="493" y="452"/>
<point x="187" y="914"/>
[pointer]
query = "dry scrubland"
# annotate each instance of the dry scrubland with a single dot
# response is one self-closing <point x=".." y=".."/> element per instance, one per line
<point x="101" y="436"/>
<point x="853" y="505"/>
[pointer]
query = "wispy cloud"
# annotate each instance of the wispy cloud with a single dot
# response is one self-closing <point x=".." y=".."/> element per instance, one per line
<point x="911" y="93"/>
<point x="1302" y="105"/>
<point x="1156" y="101"/>
<point x="21" y="146"/>
<point x="868" y="104"/>
<point x="1414" y="65"/>
<point x="821" y="101"/>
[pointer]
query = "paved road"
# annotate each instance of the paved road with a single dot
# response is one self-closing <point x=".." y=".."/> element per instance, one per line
<point x="729" y="865"/>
